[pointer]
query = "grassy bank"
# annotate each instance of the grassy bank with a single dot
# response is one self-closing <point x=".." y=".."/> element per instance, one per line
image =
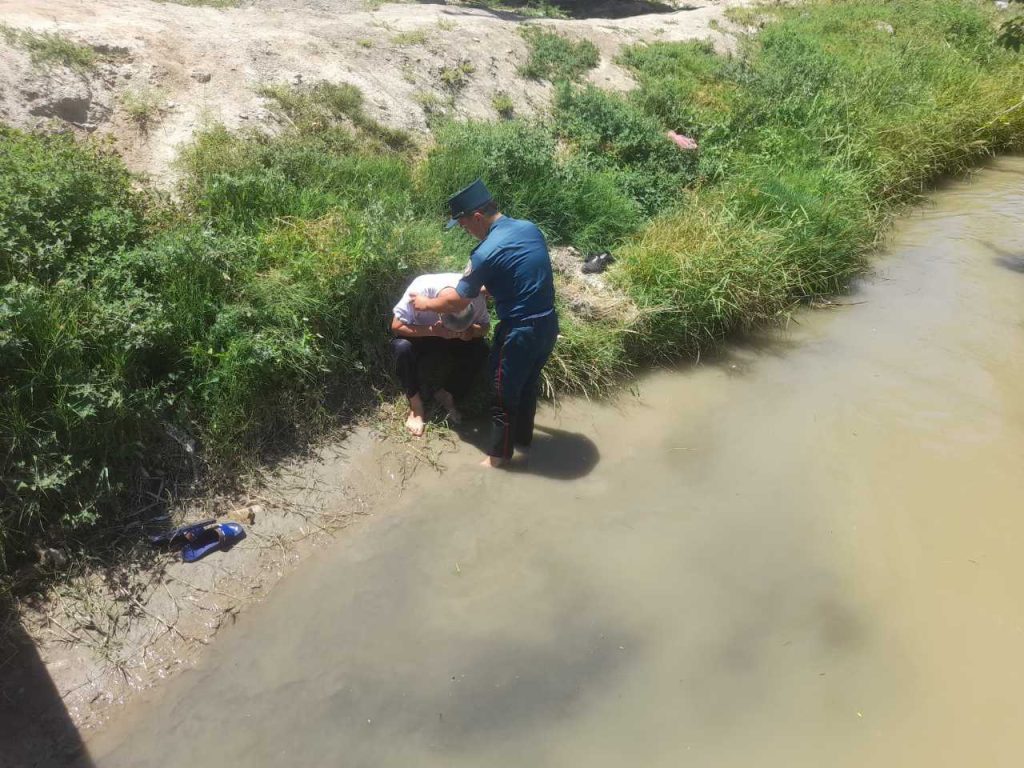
<point x="142" y="339"/>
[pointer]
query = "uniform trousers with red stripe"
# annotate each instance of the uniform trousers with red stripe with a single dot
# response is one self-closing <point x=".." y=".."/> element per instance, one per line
<point x="518" y="353"/>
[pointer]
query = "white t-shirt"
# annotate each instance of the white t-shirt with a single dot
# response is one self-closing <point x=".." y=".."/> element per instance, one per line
<point x="430" y="286"/>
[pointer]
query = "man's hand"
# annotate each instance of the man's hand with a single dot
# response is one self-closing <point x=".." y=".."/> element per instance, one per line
<point x="421" y="331"/>
<point x="475" y="331"/>
<point x="441" y="331"/>
<point x="421" y="303"/>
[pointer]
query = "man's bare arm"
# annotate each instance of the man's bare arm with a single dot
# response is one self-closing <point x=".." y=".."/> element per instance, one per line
<point x="419" y="331"/>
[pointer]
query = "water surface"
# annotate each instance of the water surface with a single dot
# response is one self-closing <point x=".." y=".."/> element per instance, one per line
<point x="805" y="553"/>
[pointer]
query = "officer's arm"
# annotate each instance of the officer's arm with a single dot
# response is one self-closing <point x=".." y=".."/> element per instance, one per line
<point x="447" y="304"/>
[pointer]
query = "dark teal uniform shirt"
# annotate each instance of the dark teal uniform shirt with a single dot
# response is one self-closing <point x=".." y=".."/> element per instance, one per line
<point x="513" y="262"/>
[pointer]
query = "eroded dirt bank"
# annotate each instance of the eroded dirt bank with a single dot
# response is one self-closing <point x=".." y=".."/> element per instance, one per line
<point x="195" y="66"/>
<point x="803" y="553"/>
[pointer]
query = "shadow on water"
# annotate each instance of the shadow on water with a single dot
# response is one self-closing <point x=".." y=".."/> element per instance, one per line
<point x="35" y="727"/>
<point x="1013" y="263"/>
<point x="555" y="453"/>
<point x="739" y="355"/>
<point x="1004" y="258"/>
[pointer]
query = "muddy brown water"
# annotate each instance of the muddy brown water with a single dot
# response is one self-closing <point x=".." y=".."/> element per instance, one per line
<point x="809" y="552"/>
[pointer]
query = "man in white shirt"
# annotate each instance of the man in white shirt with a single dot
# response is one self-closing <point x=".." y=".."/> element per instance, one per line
<point x="459" y="337"/>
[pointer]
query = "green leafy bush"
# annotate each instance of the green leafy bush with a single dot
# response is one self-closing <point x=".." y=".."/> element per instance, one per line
<point x="1011" y="33"/>
<point x="520" y="162"/>
<point x="690" y="90"/>
<point x="75" y="402"/>
<point x="615" y="135"/>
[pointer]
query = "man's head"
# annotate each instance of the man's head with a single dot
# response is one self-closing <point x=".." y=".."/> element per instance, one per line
<point x="456" y="321"/>
<point x="473" y="209"/>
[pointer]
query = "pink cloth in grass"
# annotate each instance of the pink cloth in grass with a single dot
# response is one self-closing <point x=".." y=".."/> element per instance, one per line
<point x="683" y="142"/>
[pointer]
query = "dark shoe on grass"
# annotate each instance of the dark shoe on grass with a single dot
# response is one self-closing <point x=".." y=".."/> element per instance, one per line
<point x="597" y="262"/>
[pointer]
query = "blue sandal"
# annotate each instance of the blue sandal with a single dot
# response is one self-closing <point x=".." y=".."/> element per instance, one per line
<point x="222" y="536"/>
<point x="179" y="535"/>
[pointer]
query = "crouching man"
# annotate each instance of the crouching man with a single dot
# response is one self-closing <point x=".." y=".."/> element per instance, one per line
<point x="456" y="337"/>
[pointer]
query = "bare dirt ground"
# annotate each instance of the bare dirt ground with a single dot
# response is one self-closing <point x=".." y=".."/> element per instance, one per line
<point x="102" y="635"/>
<point x="197" y="65"/>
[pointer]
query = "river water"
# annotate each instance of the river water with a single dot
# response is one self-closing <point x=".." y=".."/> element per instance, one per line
<point x="807" y="552"/>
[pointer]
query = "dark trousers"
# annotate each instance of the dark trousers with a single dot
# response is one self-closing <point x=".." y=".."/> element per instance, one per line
<point x="518" y="354"/>
<point x="464" y="359"/>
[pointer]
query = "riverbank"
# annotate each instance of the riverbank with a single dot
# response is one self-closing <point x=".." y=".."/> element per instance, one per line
<point x="803" y="552"/>
<point x="85" y="649"/>
<point x="267" y="280"/>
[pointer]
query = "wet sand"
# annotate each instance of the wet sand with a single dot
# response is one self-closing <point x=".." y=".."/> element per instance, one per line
<point x="807" y="552"/>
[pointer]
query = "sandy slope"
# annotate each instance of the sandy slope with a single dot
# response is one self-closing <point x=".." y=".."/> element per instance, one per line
<point x="204" y="65"/>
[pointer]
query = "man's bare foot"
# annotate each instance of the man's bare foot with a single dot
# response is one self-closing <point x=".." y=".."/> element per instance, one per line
<point x="493" y="462"/>
<point x="446" y="401"/>
<point x="415" y="425"/>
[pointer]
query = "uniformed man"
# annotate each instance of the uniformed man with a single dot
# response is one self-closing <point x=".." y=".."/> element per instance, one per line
<point x="512" y="261"/>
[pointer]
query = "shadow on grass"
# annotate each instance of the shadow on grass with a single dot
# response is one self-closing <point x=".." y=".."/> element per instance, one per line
<point x="35" y="727"/>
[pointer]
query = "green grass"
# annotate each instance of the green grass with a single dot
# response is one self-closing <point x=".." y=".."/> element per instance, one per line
<point x="555" y="58"/>
<point x="253" y="310"/>
<point x="456" y="77"/>
<point x="503" y="105"/>
<point x="820" y="129"/>
<point x="328" y="109"/>
<point x="618" y="136"/>
<point x="142" y="107"/>
<point x="46" y="48"/>
<point x="412" y="37"/>
<point x="432" y="105"/>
